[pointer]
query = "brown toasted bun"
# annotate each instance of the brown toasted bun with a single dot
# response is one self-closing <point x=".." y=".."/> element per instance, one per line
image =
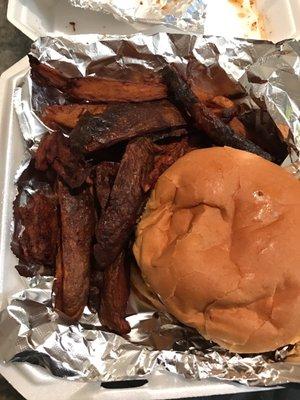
<point x="219" y="244"/>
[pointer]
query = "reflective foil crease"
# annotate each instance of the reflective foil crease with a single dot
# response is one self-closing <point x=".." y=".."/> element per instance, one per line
<point x="268" y="77"/>
<point x="181" y="14"/>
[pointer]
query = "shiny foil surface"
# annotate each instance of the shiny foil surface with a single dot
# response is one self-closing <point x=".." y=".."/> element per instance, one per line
<point x="181" y="14"/>
<point x="268" y="75"/>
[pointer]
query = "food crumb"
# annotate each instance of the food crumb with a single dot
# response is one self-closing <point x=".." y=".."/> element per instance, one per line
<point x="73" y="24"/>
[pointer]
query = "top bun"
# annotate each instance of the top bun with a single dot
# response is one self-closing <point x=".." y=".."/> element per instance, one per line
<point x="219" y="244"/>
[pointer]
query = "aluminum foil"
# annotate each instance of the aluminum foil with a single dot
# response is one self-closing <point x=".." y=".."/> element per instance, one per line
<point x="156" y="342"/>
<point x="267" y="77"/>
<point x="181" y="14"/>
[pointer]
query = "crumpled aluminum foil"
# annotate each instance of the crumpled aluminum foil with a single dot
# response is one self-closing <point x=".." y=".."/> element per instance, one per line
<point x="84" y="351"/>
<point x="31" y="331"/>
<point x="181" y="14"/>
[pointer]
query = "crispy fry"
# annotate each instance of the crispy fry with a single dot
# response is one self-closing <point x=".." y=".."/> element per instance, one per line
<point x="208" y="82"/>
<point x="238" y="127"/>
<point x="93" y="88"/>
<point x="262" y="130"/>
<point x="115" y="294"/>
<point x="105" y="174"/>
<point x="104" y="89"/>
<point x="36" y="225"/>
<point x="222" y="134"/>
<point x="126" y="199"/>
<point x="73" y="259"/>
<point x="68" y="115"/>
<point x="207" y="121"/>
<point x="109" y="293"/>
<point x="166" y="155"/>
<point x="55" y="151"/>
<point x="123" y="122"/>
<point x="45" y="75"/>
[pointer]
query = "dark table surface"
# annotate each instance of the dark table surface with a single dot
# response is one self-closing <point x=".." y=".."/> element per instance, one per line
<point x="13" y="46"/>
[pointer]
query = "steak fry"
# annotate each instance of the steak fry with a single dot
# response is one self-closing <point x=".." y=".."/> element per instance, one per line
<point x="67" y="115"/>
<point x="166" y="155"/>
<point x="208" y="82"/>
<point x="103" y="179"/>
<point x="105" y="89"/>
<point x="126" y="199"/>
<point x="115" y="289"/>
<point x="222" y="134"/>
<point x="73" y="260"/>
<point x="55" y="151"/>
<point x="105" y="175"/>
<point x="123" y="122"/>
<point x="45" y="75"/>
<point x="115" y="294"/>
<point x="262" y="130"/>
<point x="205" y="120"/>
<point x="96" y="89"/>
<point x="36" y="227"/>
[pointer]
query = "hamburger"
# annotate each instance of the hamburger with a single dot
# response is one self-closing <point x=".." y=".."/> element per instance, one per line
<point x="218" y="246"/>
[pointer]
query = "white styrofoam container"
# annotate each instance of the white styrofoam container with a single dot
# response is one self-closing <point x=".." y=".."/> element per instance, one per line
<point x="41" y="17"/>
<point x="278" y="19"/>
<point x="37" y="18"/>
<point x="41" y="384"/>
<point x="281" y="19"/>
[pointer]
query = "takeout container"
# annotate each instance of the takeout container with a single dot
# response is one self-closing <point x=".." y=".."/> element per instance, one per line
<point x="37" y="18"/>
<point x="35" y="382"/>
<point x="281" y="19"/>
